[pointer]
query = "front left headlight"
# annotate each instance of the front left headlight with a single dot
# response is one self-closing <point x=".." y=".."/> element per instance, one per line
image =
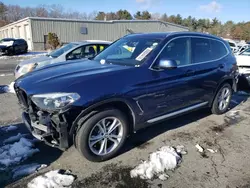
<point x="54" y="101"/>
<point x="27" y="68"/>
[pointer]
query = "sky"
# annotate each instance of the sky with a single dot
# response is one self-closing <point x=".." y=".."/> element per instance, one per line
<point x="224" y="10"/>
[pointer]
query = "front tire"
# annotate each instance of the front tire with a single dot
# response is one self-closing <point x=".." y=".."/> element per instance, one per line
<point x="102" y="136"/>
<point x="222" y="99"/>
<point x="11" y="51"/>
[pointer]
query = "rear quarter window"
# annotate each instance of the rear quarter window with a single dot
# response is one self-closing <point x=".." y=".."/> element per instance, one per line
<point x="204" y="50"/>
<point x="218" y="49"/>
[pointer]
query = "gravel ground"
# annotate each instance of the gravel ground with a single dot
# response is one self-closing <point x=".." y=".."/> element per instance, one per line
<point x="229" y="134"/>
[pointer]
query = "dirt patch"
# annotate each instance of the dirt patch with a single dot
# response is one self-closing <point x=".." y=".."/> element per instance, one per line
<point x="142" y="145"/>
<point x="228" y="121"/>
<point x="112" y="176"/>
<point x="208" y="143"/>
<point x="204" y="155"/>
<point x="185" y="136"/>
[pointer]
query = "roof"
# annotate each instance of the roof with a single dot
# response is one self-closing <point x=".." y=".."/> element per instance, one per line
<point x="92" y="42"/>
<point x="95" y="21"/>
<point x="150" y="35"/>
<point x="174" y="33"/>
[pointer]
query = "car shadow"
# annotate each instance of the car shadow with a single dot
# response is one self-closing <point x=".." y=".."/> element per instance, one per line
<point x="46" y="154"/>
<point x="141" y="138"/>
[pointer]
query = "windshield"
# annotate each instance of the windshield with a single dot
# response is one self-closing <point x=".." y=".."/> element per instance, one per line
<point x="232" y="44"/>
<point x="56" y="53"/>
<point x="246" y="52"/>
<point x="7" y="42"/>
<point x="131" y="51"/>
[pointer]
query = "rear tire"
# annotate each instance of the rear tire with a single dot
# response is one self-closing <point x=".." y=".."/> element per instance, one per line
<point x="26" y="50"/>
<point x="96" y="134"/>
<point x="222" y="99"/>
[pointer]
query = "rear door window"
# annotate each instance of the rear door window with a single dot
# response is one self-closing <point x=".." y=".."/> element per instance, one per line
<point x="201" y="50"/>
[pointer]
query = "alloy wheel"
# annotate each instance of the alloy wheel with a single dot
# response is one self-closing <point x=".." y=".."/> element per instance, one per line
<point x="105" y="136"/>
<point x="224" y="98"/>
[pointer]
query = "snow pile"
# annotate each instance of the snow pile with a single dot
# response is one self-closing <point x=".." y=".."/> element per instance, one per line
<point x="24" y="170"/>
<point x="9" y="128"/>
<point x="26" y="55"/>
<point x="8" y="74"/>
<point x="52" y="179"/>
<point x="10" y="88"/>
<point x="32" y="54"/>
<point x="12" y="154"/>
<point x="166" y="158"/>
<point x="14" y="138"/>
<point x="243" y="93"/>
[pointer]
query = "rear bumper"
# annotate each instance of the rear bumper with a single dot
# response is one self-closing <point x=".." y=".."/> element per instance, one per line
<point x="55" y="137"/>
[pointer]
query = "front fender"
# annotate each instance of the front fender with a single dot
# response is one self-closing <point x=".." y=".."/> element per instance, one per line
<point x="92" y="109"/>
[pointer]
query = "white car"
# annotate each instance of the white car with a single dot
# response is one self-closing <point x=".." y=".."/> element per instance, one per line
<point x="243" y="63"/>
<point x="242" y="48"/>
<point x="71" y="51"/>
<point x="233" y="45"/>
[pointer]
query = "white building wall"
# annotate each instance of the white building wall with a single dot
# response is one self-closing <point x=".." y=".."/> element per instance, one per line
<point x="19" y="29"/>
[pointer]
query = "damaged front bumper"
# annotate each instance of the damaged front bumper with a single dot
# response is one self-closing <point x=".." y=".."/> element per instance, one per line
<point x="54" y="133"/>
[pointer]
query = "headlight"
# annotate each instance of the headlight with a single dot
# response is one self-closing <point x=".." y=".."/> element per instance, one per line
<point x="27" y="68"/>
<point x="54" y="101"/>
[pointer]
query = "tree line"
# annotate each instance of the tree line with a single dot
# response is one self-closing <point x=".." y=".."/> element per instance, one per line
<point x="229" y="29"/>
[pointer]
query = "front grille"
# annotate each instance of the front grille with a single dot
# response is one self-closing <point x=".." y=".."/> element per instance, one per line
<point x="22" y="97"/>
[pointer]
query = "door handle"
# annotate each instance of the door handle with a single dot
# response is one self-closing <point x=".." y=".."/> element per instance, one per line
<point x="190" y="72"/>
<point x="221" y="66"/>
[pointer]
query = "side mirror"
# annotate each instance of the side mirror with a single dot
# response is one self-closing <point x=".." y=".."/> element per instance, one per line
<point x="167" y="64"/>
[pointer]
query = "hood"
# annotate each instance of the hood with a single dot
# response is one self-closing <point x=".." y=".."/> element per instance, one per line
<point x="55" y="77"/>
<point x="36" y="60"/>
<point x="243" y="60"/>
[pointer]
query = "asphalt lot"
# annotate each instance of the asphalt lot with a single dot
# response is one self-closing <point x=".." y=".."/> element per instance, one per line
<point x="229" y="134"/>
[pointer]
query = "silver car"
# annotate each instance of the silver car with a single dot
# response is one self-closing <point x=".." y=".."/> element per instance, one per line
<point x="71" y="51"/>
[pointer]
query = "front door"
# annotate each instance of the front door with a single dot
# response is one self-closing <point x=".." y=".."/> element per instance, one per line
<point x="176" y="89"/>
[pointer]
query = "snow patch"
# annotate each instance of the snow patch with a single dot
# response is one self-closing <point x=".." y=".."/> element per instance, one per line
<point x="9" y="88"/>
<point x="166" y="158"/>
<point x="52" y="179"/>
<point x="9" y="74"/>
<point x="25" y="170"/>
<point x="24" y="56"/>
<point x="12" y="154"/>
<point x="9" y="128"/>
<point x="14" y="138"/>
<point x="243" y="93"/>
<point x="163" y="177"/>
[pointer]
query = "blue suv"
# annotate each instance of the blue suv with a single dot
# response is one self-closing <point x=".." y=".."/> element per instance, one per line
<point x="139" y="80"/>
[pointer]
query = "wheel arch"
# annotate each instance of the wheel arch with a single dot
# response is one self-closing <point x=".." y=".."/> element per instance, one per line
<point x="119" y="104"/>
<point x="226" y="80"/>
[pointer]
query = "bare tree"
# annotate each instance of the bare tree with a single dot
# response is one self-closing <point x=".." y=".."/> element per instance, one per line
<point x="55" y="11"/>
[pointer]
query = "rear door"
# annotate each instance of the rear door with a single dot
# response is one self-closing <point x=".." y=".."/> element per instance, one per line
<point x="209" y="56"/>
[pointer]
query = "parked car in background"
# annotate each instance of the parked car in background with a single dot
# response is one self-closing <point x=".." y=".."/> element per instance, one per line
<point x="139" y="80"/>
<point x="71" y="51"/>
<point x="243" y="63"/>
<point x="11" y="46"/>
<point x="233" y="45"/>
<point x="243" y="48"/>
